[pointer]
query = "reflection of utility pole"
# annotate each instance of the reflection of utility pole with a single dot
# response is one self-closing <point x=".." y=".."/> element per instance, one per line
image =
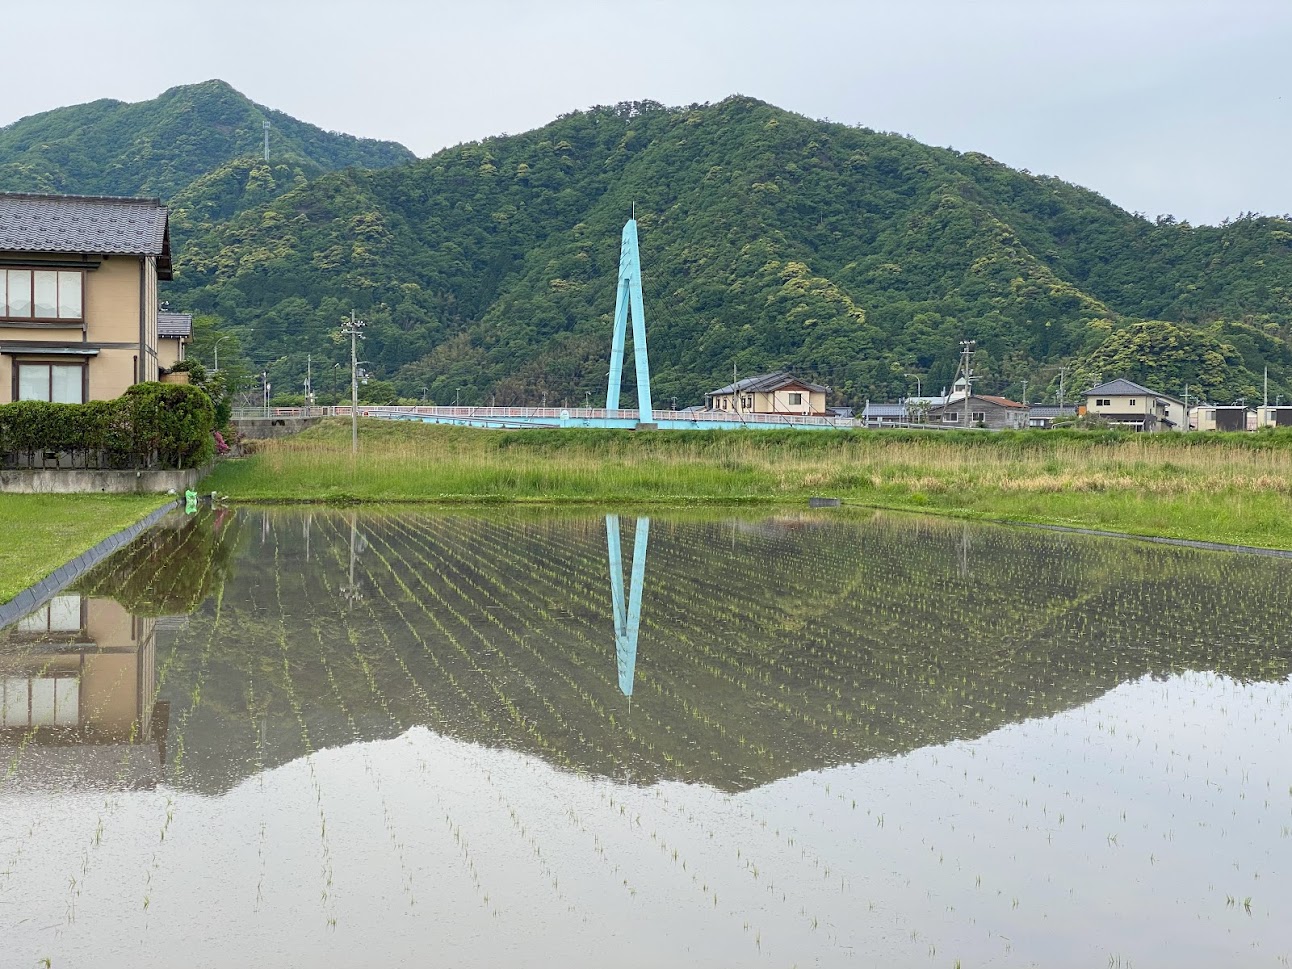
<point x="351" y="591"/>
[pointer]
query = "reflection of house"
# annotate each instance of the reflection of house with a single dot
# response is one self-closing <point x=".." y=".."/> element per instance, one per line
<point x="1220" y="417"/>
<point x="174" y="330"/>
<point x="981" y="410"/>
<point x="77" y="672"/>
<point x="1044" y="415"/>
<point x="1133" y="405"/>
<point x="78" y="295"/>
<point x="770" y="393"/>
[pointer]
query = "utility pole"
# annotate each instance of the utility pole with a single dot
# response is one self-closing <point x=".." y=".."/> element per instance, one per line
<point x="351" y="327"/>
<point x="1186" y="407"/>
<point x="266" y="139"/>
<point x="1062" y="373"/>
<point x="965" y="369"/>
<point x="309" y="381"/>
<point x="1024" y="391"/>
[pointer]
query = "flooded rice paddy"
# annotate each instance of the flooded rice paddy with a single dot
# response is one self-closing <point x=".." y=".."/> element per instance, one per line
<point x="295" y="738"/>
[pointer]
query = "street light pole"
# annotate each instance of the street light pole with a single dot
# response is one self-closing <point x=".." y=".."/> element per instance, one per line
<point x="217" y="351"/>
<point x="351" y="327"/>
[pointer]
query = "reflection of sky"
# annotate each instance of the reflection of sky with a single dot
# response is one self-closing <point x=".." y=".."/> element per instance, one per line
<point x="1112" y="830"/>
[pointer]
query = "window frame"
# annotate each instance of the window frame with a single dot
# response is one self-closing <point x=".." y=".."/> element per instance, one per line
<point x="19" y="363"/>
<point x="795" y="397"/>
<point x="978" y="417"/>
<point x="31" y="319"/>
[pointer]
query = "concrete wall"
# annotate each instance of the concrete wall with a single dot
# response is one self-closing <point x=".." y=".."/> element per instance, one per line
<point x="66" y="482"/>
<point x="266" y="428"/>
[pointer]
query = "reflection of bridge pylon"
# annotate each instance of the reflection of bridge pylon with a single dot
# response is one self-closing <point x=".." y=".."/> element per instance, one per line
<point x="628" y="616"/>
<point x="630" y="296"/>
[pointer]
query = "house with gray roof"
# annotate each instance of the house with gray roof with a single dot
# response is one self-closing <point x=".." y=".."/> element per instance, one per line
<point x="1128" y="404"/>
<point x="174" y="331"/>
<point x="769" y="393"/>
<point x="79" y="294"/>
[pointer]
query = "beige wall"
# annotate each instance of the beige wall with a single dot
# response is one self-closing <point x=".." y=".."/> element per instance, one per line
<point x="111" y="317"/>
<point x="112" y="301"/>
<point x="1121" y="405"/>
<point x="777" y="402"/>
<point x="170" y="351"/>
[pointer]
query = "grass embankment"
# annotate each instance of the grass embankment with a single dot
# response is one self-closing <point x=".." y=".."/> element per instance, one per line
<point x="1211" y="487"/>
<point x="44" y="531"/>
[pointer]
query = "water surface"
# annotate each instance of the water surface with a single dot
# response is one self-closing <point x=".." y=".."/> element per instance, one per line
<point x="517" y="738"/>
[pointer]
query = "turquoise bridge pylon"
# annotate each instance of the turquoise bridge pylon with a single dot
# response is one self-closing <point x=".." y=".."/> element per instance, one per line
<point x="630" y="297"/>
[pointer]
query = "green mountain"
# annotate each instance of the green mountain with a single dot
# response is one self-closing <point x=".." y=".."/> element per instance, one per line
<point x="769" y="240"/>
<point x="160" y="147"/>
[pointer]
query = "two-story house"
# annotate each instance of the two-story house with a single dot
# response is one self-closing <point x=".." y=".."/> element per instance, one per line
<point x="1133" y="405"/>
<point x="78" y="295"/>
<point x="769" y="393"/>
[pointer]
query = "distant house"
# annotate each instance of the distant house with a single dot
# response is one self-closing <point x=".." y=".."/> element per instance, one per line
<point x="78" y="295"/>
<point x="884" y="415"/>
<point x="1128" y="404"/>
<point x="981" y="410"/>
<point x="1044" y="415"/>
<point x="1221" y="417"/>
<point x="1272" y="415"/>
<point x="771" y="393"/>
<point x="174" y="331"/>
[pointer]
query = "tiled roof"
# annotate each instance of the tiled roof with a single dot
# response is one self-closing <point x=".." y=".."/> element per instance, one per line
<point x="174" y="324"/>
<point x="1052" y="410"/>
<point x="959" y="398"/>
<point x="1121" y="387"/>
<point x="86" y="223"/>
<point x="766" y="383"/>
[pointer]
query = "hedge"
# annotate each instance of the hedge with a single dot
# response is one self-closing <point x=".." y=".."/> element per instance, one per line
<point x="151" y="424"/>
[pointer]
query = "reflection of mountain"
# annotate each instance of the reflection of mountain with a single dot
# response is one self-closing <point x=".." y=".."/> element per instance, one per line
<point x="764" y="651"/>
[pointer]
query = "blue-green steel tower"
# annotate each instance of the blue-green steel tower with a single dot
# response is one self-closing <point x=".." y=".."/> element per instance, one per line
<point x="630" y="297"/>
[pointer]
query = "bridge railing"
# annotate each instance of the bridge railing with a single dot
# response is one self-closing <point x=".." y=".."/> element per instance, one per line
<point x="555" y="415"/>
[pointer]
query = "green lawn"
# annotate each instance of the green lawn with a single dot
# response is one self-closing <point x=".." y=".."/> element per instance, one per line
<point x="41" y="532"/>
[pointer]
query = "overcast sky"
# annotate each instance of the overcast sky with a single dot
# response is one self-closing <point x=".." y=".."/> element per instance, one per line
<point x="1163" y="106"/>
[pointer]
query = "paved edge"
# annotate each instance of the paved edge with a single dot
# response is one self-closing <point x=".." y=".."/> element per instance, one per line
<point x="44" y="590"/>
<point x="1162" y="540"/>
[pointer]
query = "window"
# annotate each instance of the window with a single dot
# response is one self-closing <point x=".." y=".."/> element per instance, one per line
<point x="1132" y="402"/>
<point x="60" y="614"/>
<point x="1104" y="402"/>
<point x="42" y="295"/>
<point x="40" y="701"/>
<point x="952" y="417"/>
<point x="796" y="399"/>
<point x="60" y="383"/>
<point x="980" y="417"/>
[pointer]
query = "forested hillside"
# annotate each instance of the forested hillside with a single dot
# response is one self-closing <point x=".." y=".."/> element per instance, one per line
<point x="160" y="147"/>
<point x="768" y="240"/>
